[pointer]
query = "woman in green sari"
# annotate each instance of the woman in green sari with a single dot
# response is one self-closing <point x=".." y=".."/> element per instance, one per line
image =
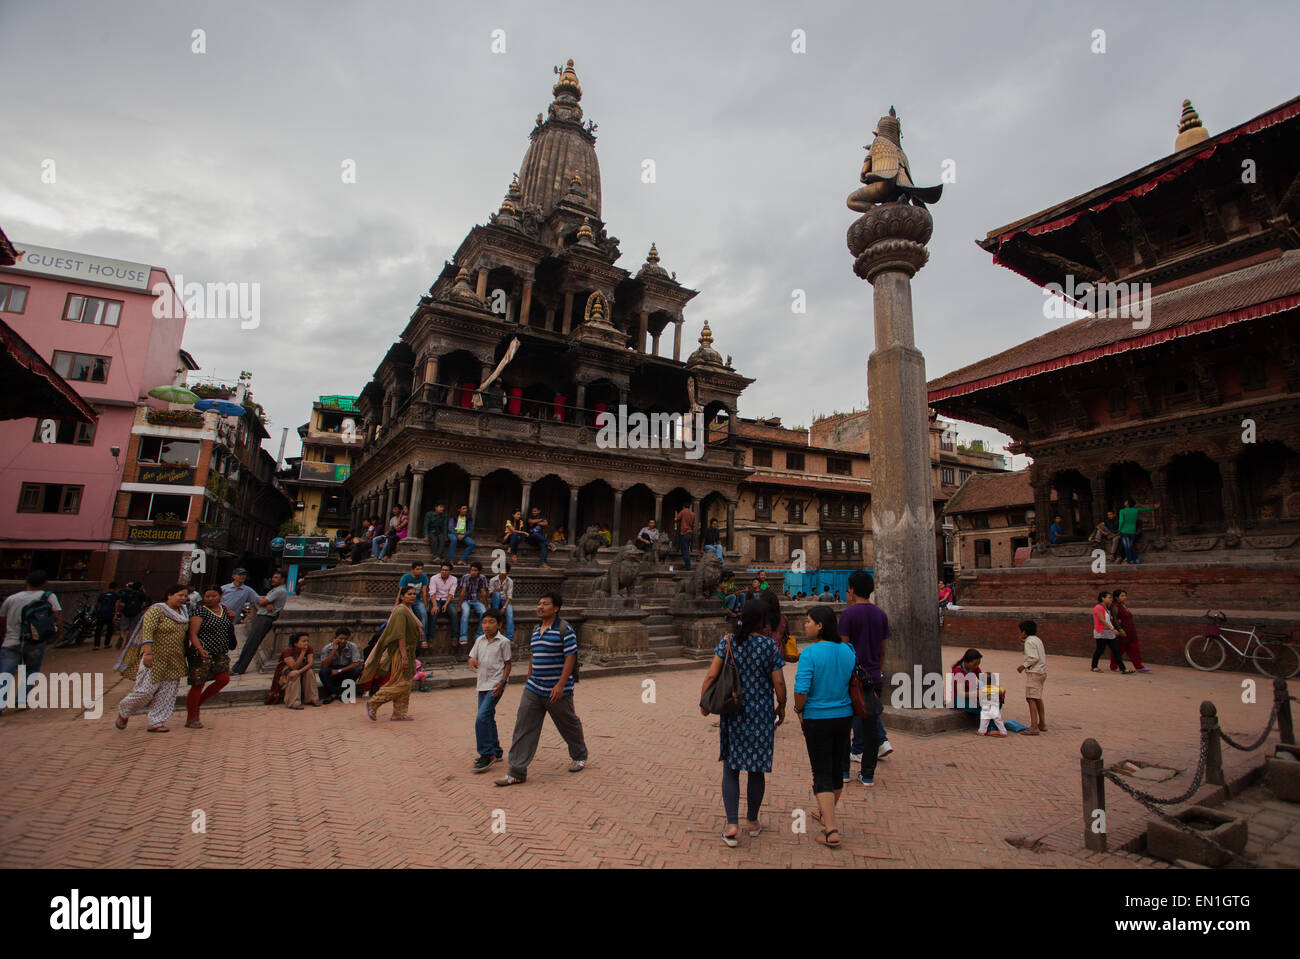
<point x="394" y="654"/>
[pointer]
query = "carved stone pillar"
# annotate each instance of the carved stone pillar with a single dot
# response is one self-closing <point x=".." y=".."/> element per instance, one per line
<point x="659" y="513"/>
<point x="731" y="525"/>
<point x="481" y="289"/>
<point x="1160" y="494"/>
<point x="573" y="515"/>
<point x="1042" y="512"/>
<point x="524" y="496"/>
<point x="568" y="310"/>
<point x="473" y="497"/>
<point x="404" y="492"/>
<point x="1098" y="484"/>
<point x="416" y="527"/>
<point x="390" y="496"/>
<point x="677" y="339"/>
<point x="580" y="401"/>
<point x="641" y="331"/>
<point x="1232" y="509"/>
<point x="616" y="527"/>
<point x="525" y="302"/>
<point x="654" y="337"/>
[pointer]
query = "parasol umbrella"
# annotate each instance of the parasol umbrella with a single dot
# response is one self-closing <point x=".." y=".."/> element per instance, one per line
<point x="173" y="394"/>
<point x="227" y="408"/>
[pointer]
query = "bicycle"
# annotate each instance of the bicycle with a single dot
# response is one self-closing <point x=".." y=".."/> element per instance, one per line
<point x="1273" y="655"/>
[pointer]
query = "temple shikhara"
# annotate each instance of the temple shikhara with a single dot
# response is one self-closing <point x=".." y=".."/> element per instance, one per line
<point x="1184" y="392"/>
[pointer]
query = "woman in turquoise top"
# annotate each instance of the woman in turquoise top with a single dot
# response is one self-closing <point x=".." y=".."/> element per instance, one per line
<point x="821" y="698"/>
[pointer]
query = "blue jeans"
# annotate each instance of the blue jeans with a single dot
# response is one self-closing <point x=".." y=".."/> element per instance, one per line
<point x="30" y="655"/>
<point x="513" y="541"/>
<point x="1130" y="552"/>
<point x="377" y="547"/>
<point x="465" y="607"/>
<point x="684" y="541"/>
<point x="734" y="602"/>
<point x="485" y="725"/>
<point x="422" y="614"/>
<point x="509" y="615"/>
<point x="717" y="548"/>
<point x="461" y="541"/>
<point x="542" y="544"/>
<point x="447" y="606"/>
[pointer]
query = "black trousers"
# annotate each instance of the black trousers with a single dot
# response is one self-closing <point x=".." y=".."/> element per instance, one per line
<point x="828" y="751"/>
<point x="332" y="683"/>
<point x="1102" y="645"/>
<point x="103" y="627"/>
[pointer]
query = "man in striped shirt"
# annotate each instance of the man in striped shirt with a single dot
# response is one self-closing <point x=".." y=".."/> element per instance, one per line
<point x="549" y="690"/>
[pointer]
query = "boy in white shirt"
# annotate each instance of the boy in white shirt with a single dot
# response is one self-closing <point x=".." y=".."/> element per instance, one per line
<point x="490" y="655"/>
<point x="1035" y="669"/>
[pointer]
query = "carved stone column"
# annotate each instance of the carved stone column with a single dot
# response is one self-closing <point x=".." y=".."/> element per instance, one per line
<point x="1098" y="484"/>
<point x="473" y="497"/>
<point x="404" y="492"/>
<point x="888" y="244"/>
<point x="641" y="331"/>
<point x="654" y="338"/>
<point x="568" y="310"/>
<point x="677" y="340"/>
<point x="525" y="302"/>
<point x="573" y="515"/>
<point x="1160" y="493"/>
<point x="481" y="289"/>
<point x="1232" y="510"/>
<point x="615" y="528"/>
<point x="659" y="513"/>
<point x="731" y="525"/>
<point x="416" y="527"/>
<point x="1042" y="512"/>
<point x="524" y="495"/>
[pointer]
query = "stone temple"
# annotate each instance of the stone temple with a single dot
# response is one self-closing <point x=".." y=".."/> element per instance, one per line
<point x="489" y="399"/>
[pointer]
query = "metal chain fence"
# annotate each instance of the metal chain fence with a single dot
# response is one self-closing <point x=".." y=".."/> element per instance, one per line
<point x="1272" y="719"/>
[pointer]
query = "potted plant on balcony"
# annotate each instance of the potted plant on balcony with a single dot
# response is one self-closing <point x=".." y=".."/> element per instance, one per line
<point x="175" y="417"/>
<point x="168" y="519"/>
<point x="213" y="391"/>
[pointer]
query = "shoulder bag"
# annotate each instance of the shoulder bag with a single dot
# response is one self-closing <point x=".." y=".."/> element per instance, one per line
<point x="722" y="696"/>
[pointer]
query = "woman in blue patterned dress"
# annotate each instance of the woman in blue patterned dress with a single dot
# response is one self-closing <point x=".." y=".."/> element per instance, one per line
<point x="747" y="735"/>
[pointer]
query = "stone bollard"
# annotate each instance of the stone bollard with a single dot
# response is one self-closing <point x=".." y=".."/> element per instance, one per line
<point x="1214" y="750"/>
<point x="1094" y="796"/>
<point x="1282" y="698"/>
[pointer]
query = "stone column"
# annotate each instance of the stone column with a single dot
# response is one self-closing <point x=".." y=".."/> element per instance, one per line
<point x="580" y="401"/>
<point x="654" y="337"/>
<point x="641" y="331"/>
<point x="568" y="310"/>
<point x="731" y="525"/>
<point x="549" y="320"/>
<point x="615" y="527"/>
<point x="390" y="494"/>
<point x="416" y="528"/>
<point x="677" y="339"/>
<point x="524" y="495"/>
<point x="1232" y="511"/>
<point x="481" y="289"/>
<point x="473" y="497"/>
<point x="404" y="492"/>
<point x="573" y="514"/>
<point x="659" y="513"/>
<point x="1042" y="512"/>
<point x="1098" y="502"/>
<point x="1160" y="491"/>
<point x="525" y="302"/>
<point x="888" y="244"/>
<point x="428" y="391"/>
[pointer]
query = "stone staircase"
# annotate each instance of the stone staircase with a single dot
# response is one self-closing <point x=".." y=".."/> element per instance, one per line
<point x="665" y="638"/>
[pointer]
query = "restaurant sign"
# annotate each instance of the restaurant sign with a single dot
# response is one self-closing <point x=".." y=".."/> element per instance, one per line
<point x="171" y="475"/>
<point x="155" y="534"/>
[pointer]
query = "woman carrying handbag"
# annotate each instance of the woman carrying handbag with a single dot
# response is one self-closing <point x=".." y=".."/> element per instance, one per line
<point x="747" y="732"/>
<point x="823" y="698"/>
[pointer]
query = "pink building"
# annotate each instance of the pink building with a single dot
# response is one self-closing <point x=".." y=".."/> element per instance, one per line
<point x="93" y="319"/>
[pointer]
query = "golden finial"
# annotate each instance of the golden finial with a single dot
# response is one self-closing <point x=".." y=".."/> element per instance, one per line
<point x="653" y="255"/>
<point x="706" y="335"/>
<point x="575" y="184"/>
<point x="584" y="231"/>
<point x="597" y="309"/>
<point x="568" y="82"/>
<point x="1190" y="130"/>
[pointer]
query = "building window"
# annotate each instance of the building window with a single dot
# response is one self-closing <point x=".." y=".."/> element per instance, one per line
<point x="830" y="548"/>
<point x="159" y="507"/>
<point x="762" y="549"/>
<point x="49" y="498"/>
<point x="92" y="309"/>
<point x="65" y="432"/>
<point x="857" y="547"/>
<point x="1017" y="517"/>
<point x="762" y="507"/>
<point x="169" y="452"/>
<point x="983" y="554"/>
<point x="826" y="510"/>
<point x="796" y="544"/>
<point x="963" y="476"/>
<point x="1252" y="374"/>
<point x="842" y="548"/>
<point x="58" y="564"/>
<point x="857" y="511"/>
<point x="982" y="521"/>
<point x="844" y="510"/>
<point x="946" y="476"/>
<point x="945" y="440"/>
<point x="795" y="513"/>
<point x="81" y="367"/>
<point x="762" y="457"/>
<point x="13" y="299"/>
<point x="837" y="466"/>
<point x="1118" y="401"/>
<point x="794" y="461"/>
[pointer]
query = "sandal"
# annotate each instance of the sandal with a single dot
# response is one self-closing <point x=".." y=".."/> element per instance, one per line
<point x="825" y="838"/>
<point x="120" y="722"/>
<point x="1029" y="732"/>
<point x="753" y="833"/>
<point x="157" y="729"/>
<point x="295" y="707"/>
<point x="402" y="719"/>
<point x="731" y="841"/>
<point x="370" y="711"/>
<point x="193" y="724"/>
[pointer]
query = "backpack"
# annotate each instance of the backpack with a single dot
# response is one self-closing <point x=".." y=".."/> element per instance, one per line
<point x="563" y="625"/>
<point x="132" y="602"/>
<point x="38" y="619"/>
<point x="106" y="605"/>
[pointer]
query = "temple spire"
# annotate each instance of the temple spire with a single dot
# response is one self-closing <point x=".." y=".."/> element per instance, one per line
<point x="568" y="82"/>
<point x="1190" y="130"/>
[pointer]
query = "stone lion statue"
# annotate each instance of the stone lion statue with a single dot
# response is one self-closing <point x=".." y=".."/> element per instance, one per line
<point x="659" y="553"/>
<point x="703" y="578"/>
<point x="587" y="546"/>
<point x="624" y="570"/>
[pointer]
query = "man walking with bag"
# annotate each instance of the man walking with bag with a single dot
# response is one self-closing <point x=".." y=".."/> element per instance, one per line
<point x="549" y="691"/>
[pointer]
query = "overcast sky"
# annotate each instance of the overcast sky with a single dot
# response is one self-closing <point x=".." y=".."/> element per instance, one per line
<point x="225" y="166"/>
